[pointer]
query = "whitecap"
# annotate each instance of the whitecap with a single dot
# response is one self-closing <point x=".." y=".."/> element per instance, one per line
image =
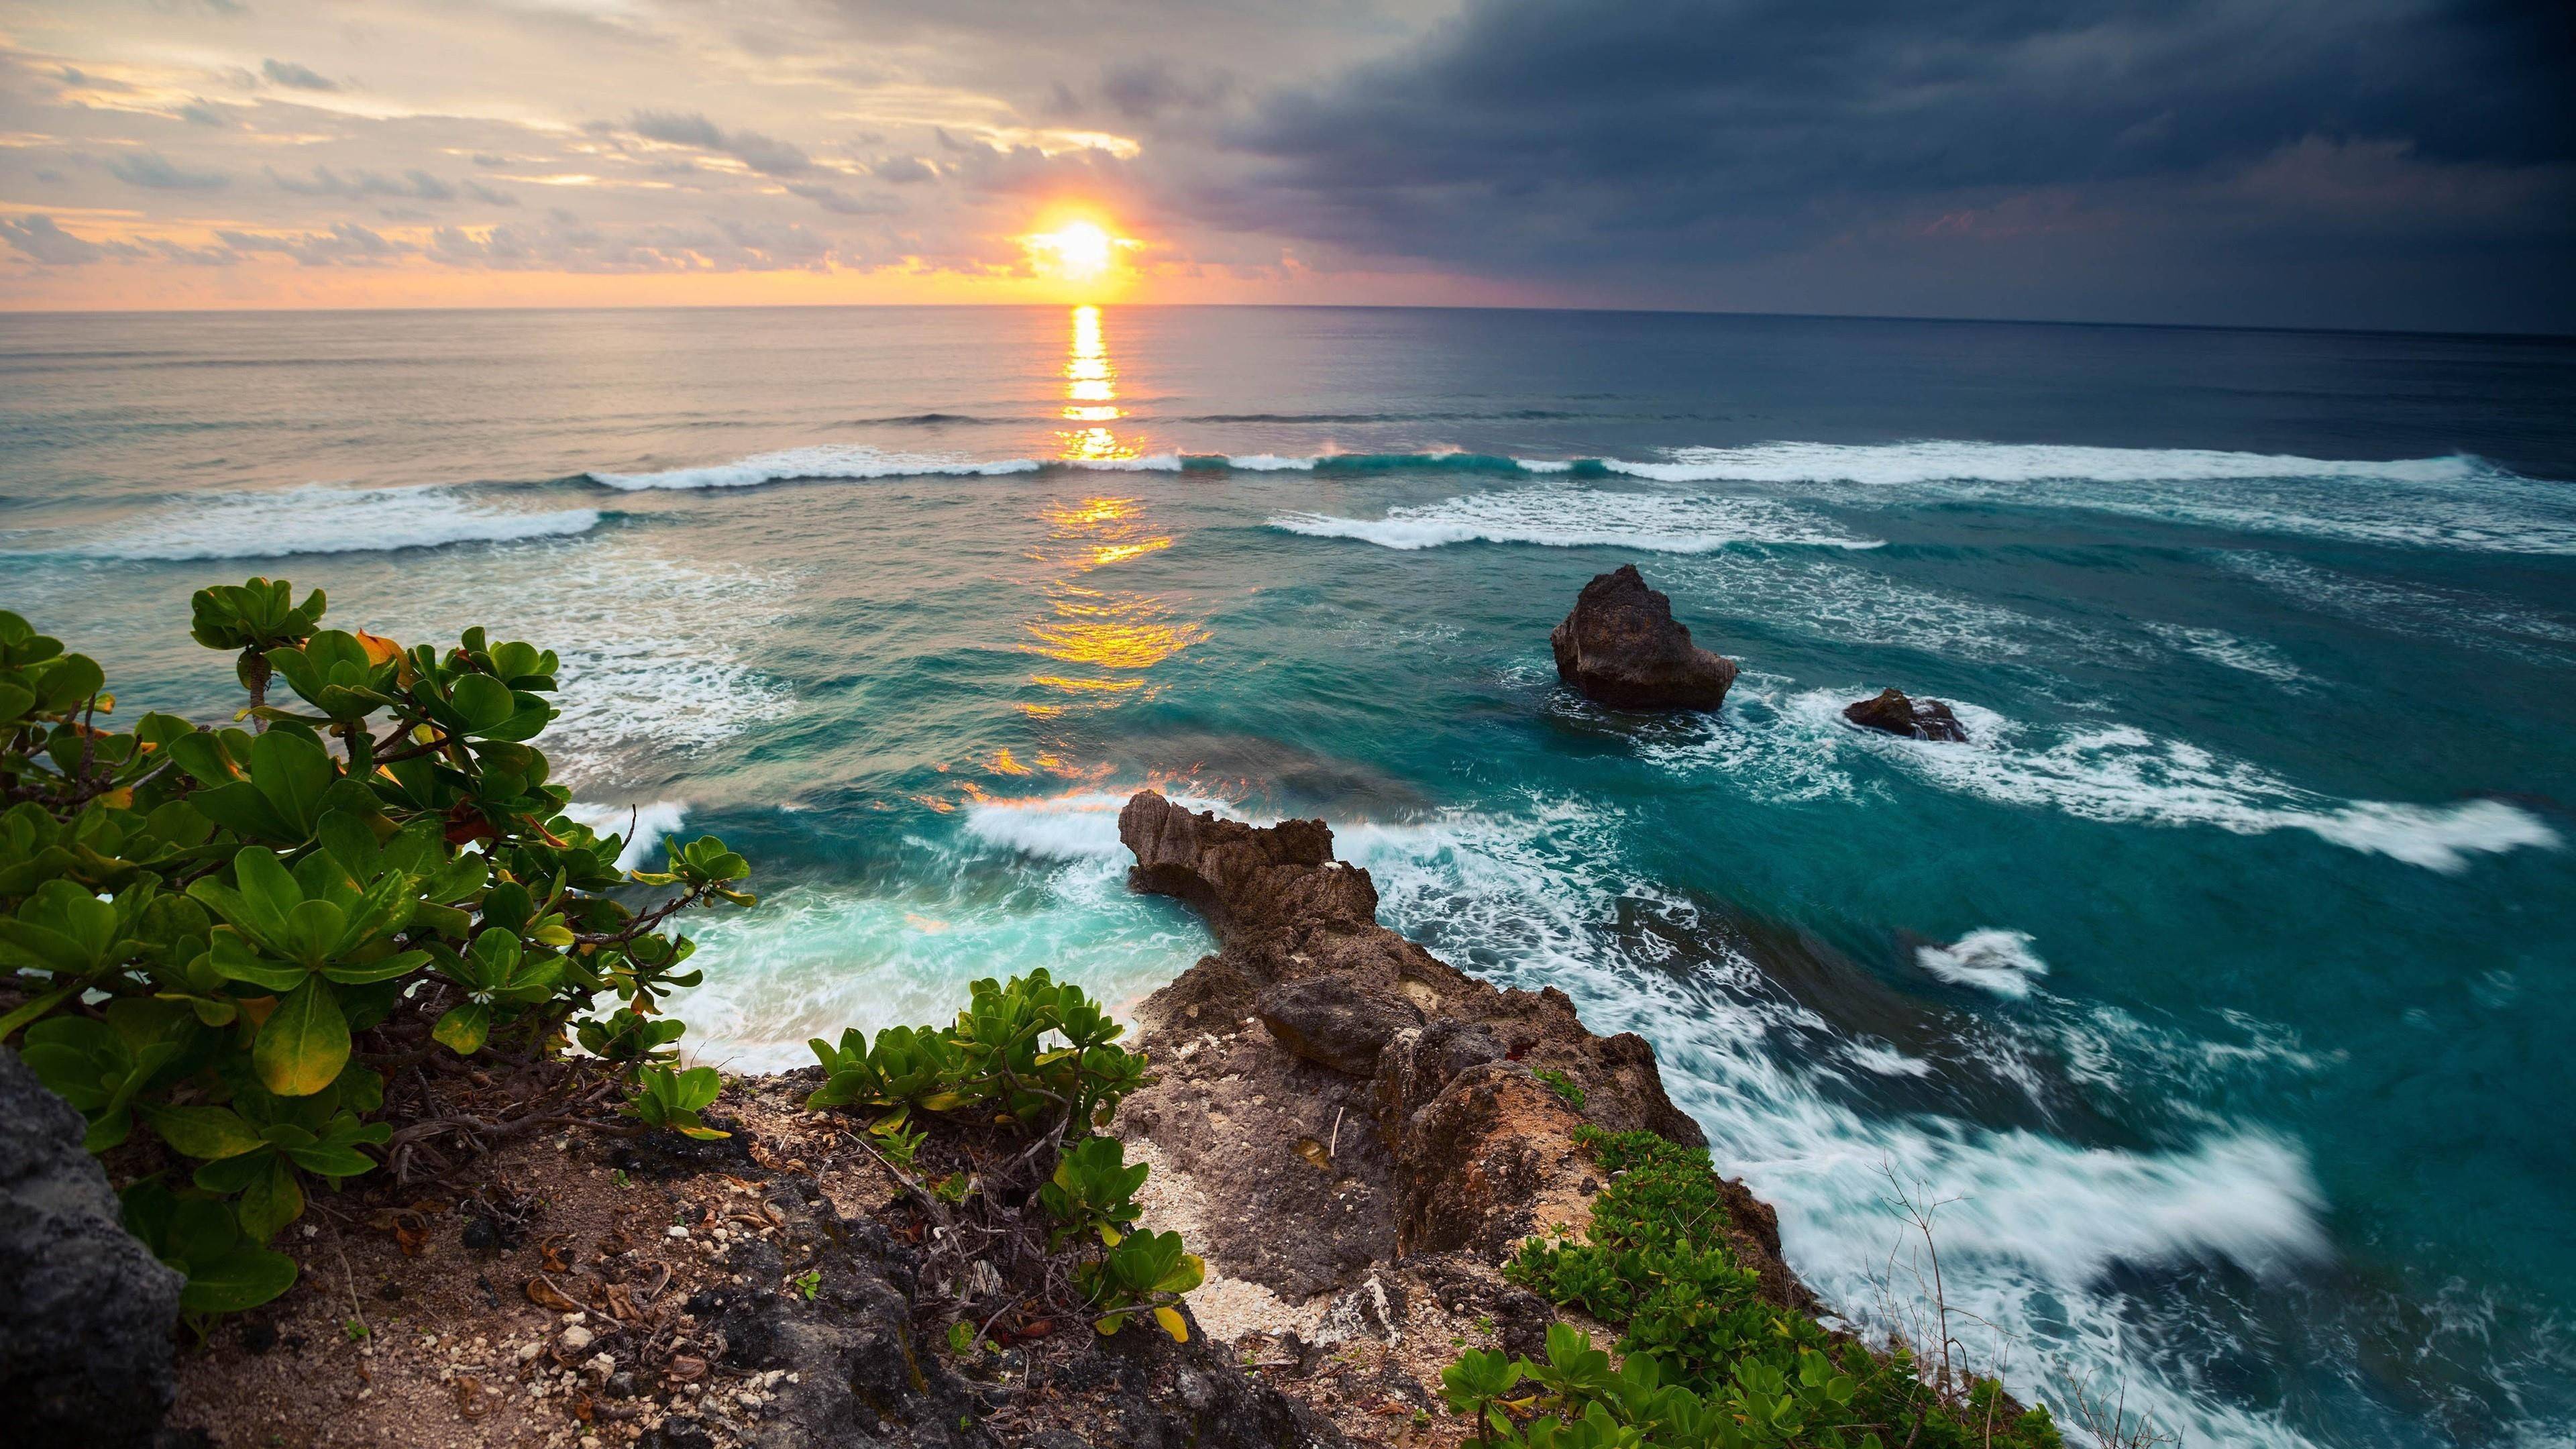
<point x="643" y="825"/>
<point x="1990" y="960"/>
<point x="2458" y="615"/>
<point x="319" y="518"/>
<point x="1076" y="827"/>
<point x="1938" y="460"/>
<point x="828" y="460"/>
<point x="1798" y="746"/>
<point x="1559" y="517"/>
<point x="2122" y="774"/>
<point x="2228" y="651"/>
<point x="2038" y="1225"/>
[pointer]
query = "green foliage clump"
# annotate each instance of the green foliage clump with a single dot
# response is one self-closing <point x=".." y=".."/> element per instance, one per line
<point x="1037" y="1054"/>
<point x="1093" y="1192"/>
<point x="672" y="1100"/>
<point x="1567" y="1090"/>
<point x="1141" y="1273"/>
<point x="1705" y="1363"/>
<point x="215" y="939"/>
<point x="1032" y="1049"/>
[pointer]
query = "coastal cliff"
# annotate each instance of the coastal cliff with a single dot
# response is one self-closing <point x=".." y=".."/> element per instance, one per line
<point x="1354" y="1135"/>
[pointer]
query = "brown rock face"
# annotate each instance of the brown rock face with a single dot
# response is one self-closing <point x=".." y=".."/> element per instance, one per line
<point x="1621" y="646"/>
<point x="1430" y="1111"/>
<point x="1355" y="1134"/>
<point x="1892" y="713"/>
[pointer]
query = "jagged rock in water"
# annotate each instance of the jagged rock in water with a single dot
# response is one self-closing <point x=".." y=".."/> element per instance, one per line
<point x="1891" y="712"/>
<point x="85" y="1310"/>
<point x="1621" y="646"/>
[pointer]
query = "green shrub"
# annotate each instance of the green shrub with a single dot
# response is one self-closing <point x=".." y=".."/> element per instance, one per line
<point x="221" y="936"/>
<point x="1705" y="1362"/>
<point x="1093" y="1192"/>
<point x="1565" y="1087"/>
<point x="1037" y="1055"/>
<point x="1033" y="1048"/>
<point x="1140" y="1273"/>
<point x="672" y="1100"/>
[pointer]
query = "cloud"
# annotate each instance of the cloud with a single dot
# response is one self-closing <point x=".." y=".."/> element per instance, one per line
<point x="1538" y="135"/>
<point x="1143" y="89"/>
<point x="41" y="240"/>
<point x="764" y="154"/>
<point x="487" y="195"/>
<point x="201" y="112"/>
<point x="834" y="200"/>
<point x="416" y="184"/>
<point x="903" y="170"/>
<point x="346" y="243"/>
<point x="151" y="170"/>
<point x="296" y="77"/>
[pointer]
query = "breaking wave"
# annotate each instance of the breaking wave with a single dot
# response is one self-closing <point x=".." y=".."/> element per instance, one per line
<point x="644" y="826"/>
<point x="1795" y="746"/>
<point x="1583" y="517"/>
<point x="2000" y="962"/>
<point x="322" y="519"/>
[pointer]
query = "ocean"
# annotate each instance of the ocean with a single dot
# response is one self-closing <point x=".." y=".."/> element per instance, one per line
<point x="2221" y="983"/>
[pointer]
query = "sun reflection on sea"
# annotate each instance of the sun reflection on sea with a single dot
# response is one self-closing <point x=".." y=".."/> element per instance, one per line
<point x="1091" y="396"/>
<point x="1101" y="640"/>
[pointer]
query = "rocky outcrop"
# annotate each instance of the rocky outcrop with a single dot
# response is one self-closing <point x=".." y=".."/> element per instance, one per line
<point x="85" y="1310"/>
<point x="1621" y="646"/>
<point x="1891" y="712"/>
<point x="1354" y="1133"/>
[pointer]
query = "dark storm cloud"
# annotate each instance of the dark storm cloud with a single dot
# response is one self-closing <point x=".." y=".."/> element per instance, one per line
<point x="764" y="154"/>
<point x="1527" y="133"/>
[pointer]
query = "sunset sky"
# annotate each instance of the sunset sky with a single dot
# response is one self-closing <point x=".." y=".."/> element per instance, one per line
<point x="2294" y="162"/>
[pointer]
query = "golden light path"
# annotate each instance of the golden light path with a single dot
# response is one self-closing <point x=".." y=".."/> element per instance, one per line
<point x="1110" y="635"/>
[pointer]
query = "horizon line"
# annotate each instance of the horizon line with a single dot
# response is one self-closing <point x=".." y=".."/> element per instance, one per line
<point x="7" y="312"/>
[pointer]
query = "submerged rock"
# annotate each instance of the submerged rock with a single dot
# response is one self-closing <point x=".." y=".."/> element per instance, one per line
<point x="1891" y="712"/>
<point x="85" y="1310"/>
<point x="1621" y="646"/>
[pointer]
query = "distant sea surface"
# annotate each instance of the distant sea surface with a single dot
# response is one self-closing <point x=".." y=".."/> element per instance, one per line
<point x="2226" y="978"/>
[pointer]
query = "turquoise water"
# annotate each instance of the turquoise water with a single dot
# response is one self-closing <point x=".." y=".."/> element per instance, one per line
<point x="2223" y="977"/>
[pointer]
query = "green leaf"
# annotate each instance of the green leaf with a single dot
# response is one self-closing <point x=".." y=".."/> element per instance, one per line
<point x="463" y="1029"/>
<point x="244" y="1278"/>
<point x="292" y="770"/>
<point x="304" y="1043"/>
<point x="273" y="1198"/>
<point x="209" y="1133"/>
<point x="31" y="1010"/>
<point x="361" y="973"/>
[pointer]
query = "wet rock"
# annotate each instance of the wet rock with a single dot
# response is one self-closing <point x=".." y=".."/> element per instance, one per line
<point x="1892" y="713"/>
<point x="85" y="1310"/>
<point x="1620" y="645"/>
<point x="1334" y="1021"/>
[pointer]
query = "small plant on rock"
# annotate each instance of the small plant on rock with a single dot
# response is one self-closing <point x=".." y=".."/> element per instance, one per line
<point x="672" y="1100"/>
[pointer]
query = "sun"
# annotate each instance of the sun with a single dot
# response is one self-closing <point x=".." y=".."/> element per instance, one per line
<point x="1082" y="252"/>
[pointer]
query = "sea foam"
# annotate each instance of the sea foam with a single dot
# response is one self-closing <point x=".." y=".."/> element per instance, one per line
<point x="1795" y="746"/>
<point x="644" y="826"/>
<point x="321" y="519"/>
<point x="1946" y="460"/>
<point x="821" y="461"/>
<point x="1990" y="960"/>
<point x="1560" y="517"/>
